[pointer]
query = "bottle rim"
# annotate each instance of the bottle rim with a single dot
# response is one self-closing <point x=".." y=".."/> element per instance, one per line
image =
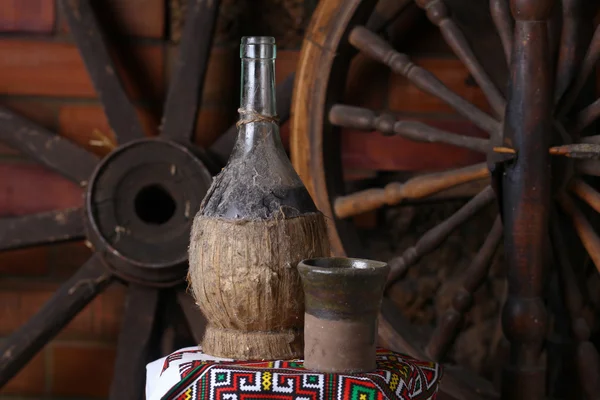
<point x="258" y="40"/>
<point x="258" y="47"/>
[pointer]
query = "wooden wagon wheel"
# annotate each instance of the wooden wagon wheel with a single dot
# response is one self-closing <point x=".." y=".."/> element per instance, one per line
<point x="528" y="131"/>
<point x="140" y="201"/>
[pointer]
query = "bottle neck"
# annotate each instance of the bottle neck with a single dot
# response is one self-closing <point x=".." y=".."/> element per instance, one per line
<point x="257" y="97"/>
<point x="258" y="86"/>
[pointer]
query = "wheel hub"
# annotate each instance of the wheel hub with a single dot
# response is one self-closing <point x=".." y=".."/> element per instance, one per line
<point x="140" y="204"/>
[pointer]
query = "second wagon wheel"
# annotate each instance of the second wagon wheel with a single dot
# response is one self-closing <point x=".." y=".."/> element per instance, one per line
<point x="140" y="200"/>
<point x="553" y="58"/>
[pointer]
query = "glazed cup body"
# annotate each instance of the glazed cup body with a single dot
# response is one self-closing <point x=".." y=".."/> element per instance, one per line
<point x="342" y="300"/>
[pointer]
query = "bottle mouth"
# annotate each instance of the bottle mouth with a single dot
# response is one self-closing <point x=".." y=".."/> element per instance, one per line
<point x="258" y="47"/>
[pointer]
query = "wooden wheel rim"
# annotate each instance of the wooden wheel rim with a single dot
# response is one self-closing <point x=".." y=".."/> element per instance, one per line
<point x="313" y="131"/>
<point x="312" y="87"/>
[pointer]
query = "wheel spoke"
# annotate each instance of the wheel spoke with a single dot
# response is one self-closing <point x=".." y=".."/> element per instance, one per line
<point x="365" y="119"/>
<point x="584" y="229"/>
<point x="570" y="52"/>
<point x="194" y="317"/>
<point x="283" y="93"/>
<point x="50" y="150"/>
<point x="449" y="324"/>
<point x="435" y="236"/>
<point x="377" y="48"/>
<point x="462" y="191"/>
<point x="69" y="300"/>
<point x="588" y="361"/>
<point x="437" y="12"/>
<point x="585" y="117"/>
<point x="415" y="188"/>
<point x="504" y="25"/>
<point x="135" y="341"/>
<point x="43" y="228"/>
<point x="87" y="34"/>
<point x="183" y="100"/>
<point x="587" y="67"/>
<point x="577" y="150"/>
<point x="586" y="193"/>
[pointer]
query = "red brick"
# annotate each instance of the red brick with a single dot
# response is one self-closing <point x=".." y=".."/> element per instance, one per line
<point x="81" y="327"/>
<point x="56" y="69"/>
<point x="138" y="17"/>
<point x="30" y="380"/>
<point x="35" y="16"/>
<point x="222" y="77"/>
<point x="63" y="261"/>
<point x="212" y="123"/>
<point x="20" y="300"/>
<point x="41" y="112"/>
<point x="108" y="312"/>
<point x="27" y="189"/>
<point x="65" y="258"/>
<point x="82" y="369"/>
<point x="44" y="68"/>
<point x="405" y="97"/>
<point x="143" y="18"/>
<point x="371" y="150"/>
<point x="31" y="261"/>
<point x="98" y="321"/>
<point x="285" y="64"/>
<point x="353" y="174"/>
<point x="84" y="124"/>
<point x="27" y="298"/>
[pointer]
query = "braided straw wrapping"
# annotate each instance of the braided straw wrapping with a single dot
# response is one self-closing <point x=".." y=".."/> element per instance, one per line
<point x="248" y="116"/>
<point x="244" y="279"/>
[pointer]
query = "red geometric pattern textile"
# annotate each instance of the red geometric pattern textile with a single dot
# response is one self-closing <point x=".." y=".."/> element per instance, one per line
<point x="397" y="377"/>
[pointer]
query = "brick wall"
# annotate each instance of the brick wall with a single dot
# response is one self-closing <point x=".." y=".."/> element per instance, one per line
<point x="43" y="78"/>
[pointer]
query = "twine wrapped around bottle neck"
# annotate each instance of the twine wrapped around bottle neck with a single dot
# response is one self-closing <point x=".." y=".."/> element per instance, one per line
<point x="249" y="116"/>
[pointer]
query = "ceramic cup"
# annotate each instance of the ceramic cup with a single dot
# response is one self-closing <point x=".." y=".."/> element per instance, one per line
<point x="342" y="300"/>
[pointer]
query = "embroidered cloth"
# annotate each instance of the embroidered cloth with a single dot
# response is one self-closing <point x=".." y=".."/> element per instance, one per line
<point x="192" y="375"/>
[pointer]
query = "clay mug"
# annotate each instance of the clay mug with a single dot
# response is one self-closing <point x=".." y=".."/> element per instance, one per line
<point x="342" y="300"/>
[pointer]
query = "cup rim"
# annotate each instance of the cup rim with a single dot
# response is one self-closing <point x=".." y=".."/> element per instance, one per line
<point x="365" y="266"/>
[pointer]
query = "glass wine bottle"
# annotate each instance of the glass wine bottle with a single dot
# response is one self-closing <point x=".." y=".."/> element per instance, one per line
<point x="255" y="224"/>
